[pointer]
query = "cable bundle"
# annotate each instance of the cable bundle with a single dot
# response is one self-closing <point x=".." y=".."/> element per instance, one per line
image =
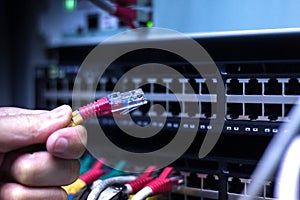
<point x="101" y="184"/>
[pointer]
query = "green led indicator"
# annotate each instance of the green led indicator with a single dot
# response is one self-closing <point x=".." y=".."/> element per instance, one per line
<point x="149" y="24"/>
<point x="70" y="5"/>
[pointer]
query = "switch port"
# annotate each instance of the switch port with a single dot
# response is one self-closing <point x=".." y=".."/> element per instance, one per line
<point x="146" y="88"/>
<point x="71" y="84"/>
<point x="210" y="183"/>
<point x="292" y="87"/>
<point x="129" y="85"/>
<point x="158" y="88"/>
<point x="192" y="108"/>
<point x="176" y="196"/>
<point x="174" y="108"/>
<point x="234" y="110"/>
<point x="193" y="181"/>
<point x="194" y="87"/>
<point x="234" y="87"/>
<point x="235" y="185"/>
<point x="287" y="109"/>
<point x="273" y="111"/>
<point x="273" y="87"/>
<point x="206" y="109"/>
<point x="213" y="87"/>
<point x="110" y="85"/>
<point x="253" y="87"/>
<point x="160" y="111"/>
<point x="270" y="190"/>
<point x="176" y="86"/>
<point x="253" y="110"/>
<point x="144" y="108"/>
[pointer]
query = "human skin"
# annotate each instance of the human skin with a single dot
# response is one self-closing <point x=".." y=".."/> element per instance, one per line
<point x="27" y="172"/>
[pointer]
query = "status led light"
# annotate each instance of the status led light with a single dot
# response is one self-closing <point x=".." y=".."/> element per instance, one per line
<point x="149" y="24"/>
<point x="70" y="5"/>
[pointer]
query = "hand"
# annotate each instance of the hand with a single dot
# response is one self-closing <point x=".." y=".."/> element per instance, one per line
<point x="28" y="173"/>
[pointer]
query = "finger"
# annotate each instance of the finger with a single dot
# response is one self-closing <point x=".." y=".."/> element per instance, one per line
<point x="19" y="192"/>
<point x="7" y="111"/>
<point x="40" y="169"/>
<point x="1" y="159"/>
<point x="68" y="143"/>
<point x="22" y="130"/>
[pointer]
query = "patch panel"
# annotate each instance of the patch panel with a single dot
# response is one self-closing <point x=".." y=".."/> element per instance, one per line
<point x="242" y="104"/>
<point x="206" y="186"/>
<point x="196" y="185"/>
<point x="268" y="92"/>
<point x="258" y="99"/>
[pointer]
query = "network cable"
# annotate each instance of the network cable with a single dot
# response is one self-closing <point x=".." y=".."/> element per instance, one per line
<point x="274" y="153"/>
<point x="85" y="163"/>
<point x="130" y="185"/>
<point x="159" y="185"/>
<point x="117" y="170"/>
<point x="134" y="186"/>
<point x="287" y="186"/>
<point x="88" y="177"/>
<point x="99" y="185"/>
<point x="115" y="103"/>
<point x="87" y="185"/>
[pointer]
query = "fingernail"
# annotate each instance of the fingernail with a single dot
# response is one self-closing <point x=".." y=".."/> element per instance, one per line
<point x="59" y="111"/>
<point x="61" y="145"/>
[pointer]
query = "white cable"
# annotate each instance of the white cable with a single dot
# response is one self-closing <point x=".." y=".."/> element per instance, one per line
<point x="102" y="184"/>
<point x="287" y="186"/>
<point x="128" y="188"/>
<point x="95" y="183"/>
<point x="143" y="194"/>
<point x="274" y="152"/>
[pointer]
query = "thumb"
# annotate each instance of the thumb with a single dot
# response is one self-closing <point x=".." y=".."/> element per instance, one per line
<point x="18" y="131"/>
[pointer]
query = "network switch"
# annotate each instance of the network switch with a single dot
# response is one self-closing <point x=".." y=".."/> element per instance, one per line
<point x="261" y="77"/>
